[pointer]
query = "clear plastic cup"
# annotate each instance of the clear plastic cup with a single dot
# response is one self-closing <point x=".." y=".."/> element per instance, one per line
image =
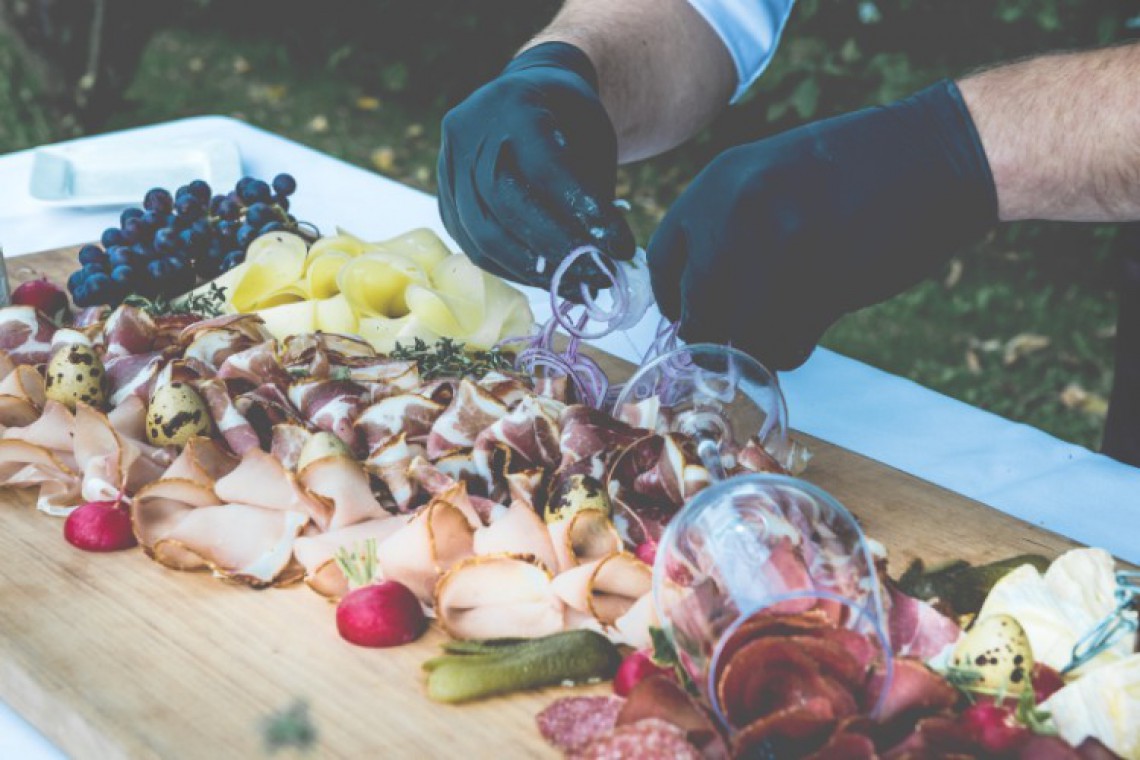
<point x="762" y="543"/>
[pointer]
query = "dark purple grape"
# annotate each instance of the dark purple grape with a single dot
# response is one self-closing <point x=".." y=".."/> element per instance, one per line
<point x="246" y="235"/>
<point x="93" y="269"/>
<point x="200" y="189"/>
<point x="215" y="204"/>
<point x="154" y="219"/>
<point x="232" y="259"/>
<point x="166" y="240"/>
<point x="75" y="278"/>
<point x="260" y="214"/>
<point x="142" y="252"/>
<point x="82" y="295"/>
<point x="189" y="208"/>
<point x="120" y="255"/>
<point x="157" y="269"/>
<point x="112" y="236"/>
<point x="123" y="275"/>
<point x="128" y="214"/>
<point x="158" y="199"/>
<point x="284" y="184"/>
<point x="99" y="283"/>
<point x="92" y="254"/>
<point x="135" y="230"/>
<point x="229" y="209"/>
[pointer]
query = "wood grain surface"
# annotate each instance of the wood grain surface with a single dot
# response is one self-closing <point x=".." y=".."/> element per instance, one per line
<point x="115" y="656"/>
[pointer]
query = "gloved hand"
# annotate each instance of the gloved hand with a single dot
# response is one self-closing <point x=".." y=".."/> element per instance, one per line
<point x="527" y="170"/>
<point x="777" y="239"/>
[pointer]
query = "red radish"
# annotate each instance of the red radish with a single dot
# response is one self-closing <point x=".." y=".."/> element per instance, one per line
<point x="1046" y="681"/>
<point x="647" y="552"/>
<point x="994" y="728"/>
<point x="44" y="295"/>
<point x="99" y="526"/>
<point x="386" y="614"/>
<point x="634" y="669"/>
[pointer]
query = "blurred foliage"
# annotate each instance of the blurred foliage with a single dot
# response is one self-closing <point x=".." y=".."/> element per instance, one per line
<point x="1021" y="324"/>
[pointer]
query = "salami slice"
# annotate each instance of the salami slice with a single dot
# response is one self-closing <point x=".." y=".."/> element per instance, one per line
<point x="573" y="722"/>
<point x="649" y="739"/>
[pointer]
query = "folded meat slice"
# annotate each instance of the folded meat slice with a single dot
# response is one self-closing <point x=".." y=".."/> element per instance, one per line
<point x="527" y="431"/>
<point x="288" y="439"/>
<point x="584" y="536"/>
<point x="509" y="390"/>
<point x="634" y="627"/>
<point x="21" y="396"/>
<point x="55" y="474"/>
<point x="471" y="410"/>
<point x="517" y="530"/>
<point x="25" y="335"/>
<point x="342" y="482"/>
<point x="912" y="687"/>
<point x="234" y="427"/>
<point x="112" y="465"/>
<point x="129" y="418"/>
<point x="54" y="429"/>
<point x="390" y="462"/>
<point x="791" y="732"/>
<point x="131" y="375"/>
<point x="606" y="588"/>
<point x="408" y="413"/>
<point x="181" y="525"/>
<point x="128" y="331"/>
<point x="586" y="431"/>
<point x="331" y="405"/>
<point x="428" y="545"/>
<point x="916" y="628"/>
<point x="202" y="460"/>
<point x="315" y="552"/>
<point x="660" y="697"/>
<point x="6" y="363"/>
<point x="258" y="364"/>
<point x="498" y="596"/>
<point x="260" y="480"/>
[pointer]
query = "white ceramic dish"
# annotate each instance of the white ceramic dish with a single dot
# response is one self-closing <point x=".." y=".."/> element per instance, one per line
<point x="94" y="175"/>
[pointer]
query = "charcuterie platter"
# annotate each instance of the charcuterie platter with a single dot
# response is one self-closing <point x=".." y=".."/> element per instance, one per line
<point x="117" y="655"/>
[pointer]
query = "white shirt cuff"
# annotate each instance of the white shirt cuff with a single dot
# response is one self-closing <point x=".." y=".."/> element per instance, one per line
<point x="750" y="30"/>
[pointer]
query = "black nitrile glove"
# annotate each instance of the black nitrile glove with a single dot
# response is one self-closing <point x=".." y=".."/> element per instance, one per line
<point x="777" y="239"/>
<point x="527" y="170"/>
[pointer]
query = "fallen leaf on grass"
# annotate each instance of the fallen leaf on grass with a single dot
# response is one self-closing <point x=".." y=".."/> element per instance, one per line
<point x="384" y="159"/>
<point x="414" y="131"/>
<point x="954" y="275"/>
<point x="241" y="65"/>
<point x="973" y="363"/>
<point x="1108" y="331"/>
<point x="1022" y="345"/>
<point x="367" y="103"/>
<point x="1077" y="398"/>
<point x="319" y="124"/>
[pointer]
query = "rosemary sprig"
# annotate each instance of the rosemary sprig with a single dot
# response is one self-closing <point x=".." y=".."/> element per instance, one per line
<point x="205" y="304"/>
<point x="449" y="358"/>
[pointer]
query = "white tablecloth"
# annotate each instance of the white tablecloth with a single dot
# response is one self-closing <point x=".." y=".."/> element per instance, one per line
<point x="1011" y="467"/>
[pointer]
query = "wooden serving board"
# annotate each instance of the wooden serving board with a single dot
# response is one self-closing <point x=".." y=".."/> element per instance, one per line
<point x="116" y="656"/>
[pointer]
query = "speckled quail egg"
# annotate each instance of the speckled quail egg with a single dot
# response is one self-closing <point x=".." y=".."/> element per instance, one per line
<point x="575" y="493"/>
<point x="997" y="649"/>
<point x="75" y="373"/>
<point x="175" y="415"/>
<point x="320" y="445"/>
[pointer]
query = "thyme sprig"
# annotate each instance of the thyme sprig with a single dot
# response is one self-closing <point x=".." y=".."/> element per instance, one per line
<point x="207" y="303"/>
<point x="449" y="358"/>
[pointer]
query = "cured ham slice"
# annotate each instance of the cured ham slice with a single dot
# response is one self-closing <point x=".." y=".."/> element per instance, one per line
<point x="213" y="346"/>
<point x="912" y="688"/>
<point x="331" y="405"/>
<point x="316" y="552"/>
<point x="128" y="331"/>
<point x="260" y="480"/>
<point x="472" y="410"/>
<point x="390" y="463"/>
<point x="916" y="628"/>
<point x="203" y="461"/>
<point x="21" y="397"/>
<point x="234" y="427"/>
<point x="288" y="440"/>
<point x="394" y="377"/>
<point x="527" y="431"/>
<point x="408" y="414"/>
<point x="54" y="429"/>
<point x="606" y="588"/>
<point x="257" y="364"/>
<point x="25" y="335"/>
<point x="131" y="375"/>
<point x="181" y="525"/>
<point x="587" y="431"/>
<point x="427" y="546"/>
<point x="342" y="482"/>
<point x="509" y="390"/>
<point x="518" y="530"/>
<point x="112" y="465"/>
<point x="250" y="326"/>
<point x="498" y="596"/>
<point x="525" y="486"/>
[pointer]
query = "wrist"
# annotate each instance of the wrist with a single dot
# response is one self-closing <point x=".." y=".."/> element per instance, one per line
<point x="557" y="54"/>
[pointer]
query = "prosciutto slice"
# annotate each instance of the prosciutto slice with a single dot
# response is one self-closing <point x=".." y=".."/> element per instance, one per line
<point x="407" y="414"/>
<point x="128" y="331"/>
<point x="257" y="364"/>
<point x="472" y="410"/>
<point x="916" y="628"/>
<point x="131" y="375"/>
<point x="527" y="431"/>
<point x="391" y="462"/>
<point x="331" y="405"/>
<point x="234" y="427"/>
<point x="498" y="596"/>
<point x="587" y="431"/>
<point x="25" y="335"/>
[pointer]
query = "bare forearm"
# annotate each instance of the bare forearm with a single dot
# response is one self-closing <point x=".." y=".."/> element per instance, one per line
<point x="662" y="71"/>
<point x="1062" y="134"/>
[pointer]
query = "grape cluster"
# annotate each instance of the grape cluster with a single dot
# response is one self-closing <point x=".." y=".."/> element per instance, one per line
<point x="174" y="242"/>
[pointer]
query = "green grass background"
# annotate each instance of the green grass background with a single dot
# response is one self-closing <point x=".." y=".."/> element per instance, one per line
<point x="1020" y="324"/>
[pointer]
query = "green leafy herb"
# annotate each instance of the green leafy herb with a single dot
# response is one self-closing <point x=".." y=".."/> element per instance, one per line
<point x="289" y="727"/>
<point x="1038" y="721"/>
<point x="963" y="679"/>
<point x="206" y="303"/>
<point x="360" y="566"/>
<point x="665" y="655"/>
<point x="449" y="358"/>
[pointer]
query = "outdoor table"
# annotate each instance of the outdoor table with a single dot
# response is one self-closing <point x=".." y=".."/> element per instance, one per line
<point x="1009" y="466"/>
